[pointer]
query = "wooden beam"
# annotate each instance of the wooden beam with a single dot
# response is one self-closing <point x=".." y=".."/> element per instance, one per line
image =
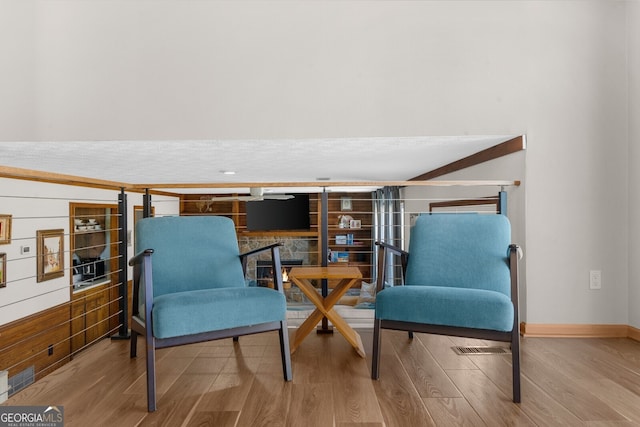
<point x="328" y="184"/>
<point x="493" y="200"/>
<point x="511" y="146"/>
<point x="58" y="178"/>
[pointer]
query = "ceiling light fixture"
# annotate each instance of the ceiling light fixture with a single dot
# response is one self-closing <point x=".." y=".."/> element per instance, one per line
<point x="228" y="172"/>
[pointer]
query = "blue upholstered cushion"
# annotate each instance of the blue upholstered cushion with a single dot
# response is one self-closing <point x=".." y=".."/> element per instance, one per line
<point x="199" y="252"/>
<point x="460" y="250"/>
<point x="193" y="312"/>
<point x="437" y="305"/>
<point x="458" y="274"/>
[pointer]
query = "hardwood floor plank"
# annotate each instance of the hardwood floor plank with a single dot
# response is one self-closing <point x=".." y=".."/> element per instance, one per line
<point x="206" y="365"/>
<point x="213" y="419"/>
<point x="311" y="405"/>
<point x="536" y="403"/>
<point x="310" y="360"/>
<point x="356" y="401"/>
<point x="359" y="425"/>
<point x="343" y="360"/>
<point x="624" y="368"/>
<point x="227" y="393"/>
<point x="427" y="376"/>
<point x="397" y="396"/>
<point x="440" y="348"/>
<point x="452" y="412"/>
<point x="168" y="370"/>
<point x="487" y="400"/>
<point x="563" y="385"/>
<point x="176" y="406"/>
<point x="600" y="378"/>
<point x="354" y="397"/>
<point x="267" y="402"/>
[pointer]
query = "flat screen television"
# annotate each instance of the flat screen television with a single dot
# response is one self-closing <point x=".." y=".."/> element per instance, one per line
<point x="269" y="215"/>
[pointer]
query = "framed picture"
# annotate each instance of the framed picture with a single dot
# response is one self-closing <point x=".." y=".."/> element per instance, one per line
<point x="345" y="204"/>
<point x="3" y="270"/>
<point x="5" y="229"/>
<point x="355" y="223"/>
<point x="50" y="254"/>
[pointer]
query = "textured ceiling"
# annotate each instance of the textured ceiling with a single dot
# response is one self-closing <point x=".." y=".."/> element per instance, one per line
<point x="253" y="161"/>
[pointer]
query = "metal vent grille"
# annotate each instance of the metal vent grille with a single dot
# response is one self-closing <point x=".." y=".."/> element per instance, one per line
<point x="479" y="350"/>
<point x="21" y="380"/>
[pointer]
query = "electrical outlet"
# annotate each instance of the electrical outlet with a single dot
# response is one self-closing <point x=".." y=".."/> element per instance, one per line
<point x="24" y="250"/>
<point x="595" y="279"/>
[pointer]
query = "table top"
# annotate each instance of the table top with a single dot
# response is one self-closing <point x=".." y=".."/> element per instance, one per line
<point x="337" y="272"/>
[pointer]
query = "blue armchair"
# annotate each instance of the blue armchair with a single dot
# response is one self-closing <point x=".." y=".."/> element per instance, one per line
<point x="189" y="286"/>
<point x="460" y="279"/>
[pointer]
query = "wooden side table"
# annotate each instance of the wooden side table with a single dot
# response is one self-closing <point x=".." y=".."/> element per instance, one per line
<point x="348" y="276"/>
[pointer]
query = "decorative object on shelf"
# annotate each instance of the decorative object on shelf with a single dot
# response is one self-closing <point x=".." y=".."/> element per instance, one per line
<point x="355" y="223"/>
<point x="3" y="270"/>
<point x="50" y="254"/>
<point x="5" y="229"/>
<point x="341" y="239"/>
<point x="342" y="257"/>
<point x="349" y="238"/>
<point x="338" y="256"/>
<point x="345" y="204"/>
<point x="344" y="221"/>
<point x="88" y="225"/>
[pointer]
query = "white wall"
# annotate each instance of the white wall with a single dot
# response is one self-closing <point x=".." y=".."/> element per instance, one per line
<point x="555" y="71"/>
<point x="39" y="206"/>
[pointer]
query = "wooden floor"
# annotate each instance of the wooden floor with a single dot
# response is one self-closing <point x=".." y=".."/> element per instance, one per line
<point x="593" y="382"/>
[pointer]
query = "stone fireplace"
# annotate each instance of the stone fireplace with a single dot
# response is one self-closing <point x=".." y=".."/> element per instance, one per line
<point x="295" y="250"/>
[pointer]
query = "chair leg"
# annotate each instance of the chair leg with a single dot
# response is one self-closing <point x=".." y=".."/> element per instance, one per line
<point x="375" y="358"/>
<point x="410" y="335"/>
<point x="285" y="351"/>
<point x="235" y="339"/>
<point x="515" y="364"/>
<point x="151" y="374"/>
<point x="134" y="344"/>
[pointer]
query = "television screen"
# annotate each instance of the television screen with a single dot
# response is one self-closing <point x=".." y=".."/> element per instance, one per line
<point x="290" y="214"/>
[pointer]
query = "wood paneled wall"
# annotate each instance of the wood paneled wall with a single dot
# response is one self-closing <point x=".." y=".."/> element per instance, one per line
<point x="26" y="342"/>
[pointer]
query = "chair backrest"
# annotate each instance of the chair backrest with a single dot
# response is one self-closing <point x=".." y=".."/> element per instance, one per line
<point x="191" y="253"/>
<point x="460" y="250"/>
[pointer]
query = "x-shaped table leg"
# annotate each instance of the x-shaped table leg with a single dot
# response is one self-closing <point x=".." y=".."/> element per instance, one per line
<point x="324" y="308"/>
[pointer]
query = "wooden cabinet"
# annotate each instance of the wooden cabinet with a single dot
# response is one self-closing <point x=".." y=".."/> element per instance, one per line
<point x="94" y="282"/>
<point x="89" y="316"/>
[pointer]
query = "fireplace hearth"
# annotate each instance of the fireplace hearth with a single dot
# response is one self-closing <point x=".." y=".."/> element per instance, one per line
<point x="264" y="272"/>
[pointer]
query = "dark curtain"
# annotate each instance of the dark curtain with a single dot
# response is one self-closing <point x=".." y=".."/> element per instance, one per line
<point x="388" y="227"/>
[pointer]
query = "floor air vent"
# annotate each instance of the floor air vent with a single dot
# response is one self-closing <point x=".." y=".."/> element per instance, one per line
<point x="481" y="350"/>
<point x="21" y="380"/>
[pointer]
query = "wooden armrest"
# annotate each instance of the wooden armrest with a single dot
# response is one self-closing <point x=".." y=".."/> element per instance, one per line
<point x="137" y="259"/>
<point x="265" y="248"/>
